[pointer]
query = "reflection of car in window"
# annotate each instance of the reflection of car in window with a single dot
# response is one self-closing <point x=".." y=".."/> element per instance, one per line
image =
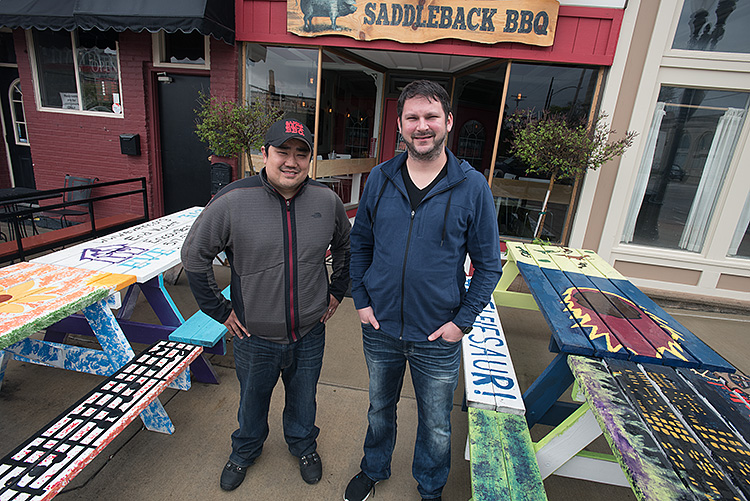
<point x="676" y="173"/>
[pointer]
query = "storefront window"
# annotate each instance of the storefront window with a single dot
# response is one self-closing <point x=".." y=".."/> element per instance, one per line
<point x="284" y="77"/>
<point x="714" y="25"/>
<point x="476" y="108"/>
<point x="688" y="150"/>
<point x="348" y="94"/>
<point x="535" y="89"/>
<point x="94" y="68"/>
<point x="740" y="245"/>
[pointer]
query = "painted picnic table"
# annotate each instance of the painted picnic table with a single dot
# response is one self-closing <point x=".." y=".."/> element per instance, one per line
<point x="600" y="319"/>
<point x="593" y="310"/>
<point x="35" y="295"/>
<point x="146" y="251"/>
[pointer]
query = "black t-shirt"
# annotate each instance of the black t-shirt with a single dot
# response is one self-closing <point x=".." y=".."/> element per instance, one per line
<point x="415" y="194"/>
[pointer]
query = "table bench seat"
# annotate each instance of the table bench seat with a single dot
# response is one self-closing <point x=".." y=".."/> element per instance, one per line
<point x="52" y="457"/>
<point x="502" y="455"/>
<point x="200" y="329"/>
<point x="503" y="460"/>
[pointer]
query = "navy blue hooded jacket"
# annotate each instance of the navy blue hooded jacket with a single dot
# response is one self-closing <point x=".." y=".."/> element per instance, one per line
<point x="410" y="266"/>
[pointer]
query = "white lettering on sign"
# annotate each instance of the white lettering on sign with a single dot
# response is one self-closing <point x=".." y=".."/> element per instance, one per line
<point x="488" y="370"/>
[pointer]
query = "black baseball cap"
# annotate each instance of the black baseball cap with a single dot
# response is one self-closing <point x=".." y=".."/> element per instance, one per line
<point x="283" y="130"/>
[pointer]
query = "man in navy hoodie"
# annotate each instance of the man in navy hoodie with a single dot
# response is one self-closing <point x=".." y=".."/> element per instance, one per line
<point x="420" y="214"/>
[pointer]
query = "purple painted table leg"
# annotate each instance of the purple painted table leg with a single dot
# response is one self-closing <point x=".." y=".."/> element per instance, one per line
<point x="162" y="304"/>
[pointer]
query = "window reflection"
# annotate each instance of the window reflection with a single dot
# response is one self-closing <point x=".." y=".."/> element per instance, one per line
<point x="714" y="25"/>
<point x="534" y="89"/>
<point x="689" y="148"/>
<point x="97" y="70"/>
<point x="476" y="110"/>
<point x="284" y="77"/>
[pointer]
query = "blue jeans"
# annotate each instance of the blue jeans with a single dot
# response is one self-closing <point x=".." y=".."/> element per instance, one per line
<point x="258" y="364"/>
<point x="434" y="367"/>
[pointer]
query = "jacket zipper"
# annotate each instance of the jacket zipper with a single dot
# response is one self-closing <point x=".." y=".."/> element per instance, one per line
<point x="408" y="244"/>
<point x="293" y="320"/>
<point x="403" y="274"/>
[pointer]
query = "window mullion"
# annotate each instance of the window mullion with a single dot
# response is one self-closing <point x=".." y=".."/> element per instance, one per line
<point x="74" y="46"/>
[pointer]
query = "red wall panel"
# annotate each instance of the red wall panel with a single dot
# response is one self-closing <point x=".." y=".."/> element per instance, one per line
<point x="585" y="35"/>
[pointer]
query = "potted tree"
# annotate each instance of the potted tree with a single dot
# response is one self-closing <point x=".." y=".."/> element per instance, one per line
<point x="230" y="127"/>
<point x="564" y="148"/>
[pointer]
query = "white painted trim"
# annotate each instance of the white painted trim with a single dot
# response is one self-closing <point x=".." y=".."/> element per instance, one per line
<point x="38" y="96"/>
<point x="610" y="94"/>
<point x="157" y="54"/>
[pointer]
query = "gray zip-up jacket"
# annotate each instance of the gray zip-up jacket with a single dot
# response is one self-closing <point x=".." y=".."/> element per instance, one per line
<point x="276" y="250"/>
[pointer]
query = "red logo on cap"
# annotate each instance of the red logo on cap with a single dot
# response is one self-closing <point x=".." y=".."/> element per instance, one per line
<point x="293" y="127"/>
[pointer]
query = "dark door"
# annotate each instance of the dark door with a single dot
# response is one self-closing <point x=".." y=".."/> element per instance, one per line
<point x="186" y="171"/>
<point x="16" y="134"/>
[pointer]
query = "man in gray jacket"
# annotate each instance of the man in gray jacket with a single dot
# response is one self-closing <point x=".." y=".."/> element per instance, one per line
<point x="275" y="229"/>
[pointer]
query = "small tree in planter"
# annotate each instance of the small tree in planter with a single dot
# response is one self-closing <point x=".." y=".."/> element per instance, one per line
<point x="230" y="127"/>
<point x="564" y="148"/>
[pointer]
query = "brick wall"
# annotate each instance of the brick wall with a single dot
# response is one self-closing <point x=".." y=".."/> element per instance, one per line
<point x="89" y="146"/>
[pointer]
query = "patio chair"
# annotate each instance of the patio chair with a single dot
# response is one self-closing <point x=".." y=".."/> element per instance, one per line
<point x="73" y="196"/>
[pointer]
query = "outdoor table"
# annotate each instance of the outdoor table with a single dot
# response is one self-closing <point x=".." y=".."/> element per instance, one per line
<point x="35" y="295"/>
<point x="677" y="433"/>
<point x="146" y="251"/>
<point x="597" y="316"/>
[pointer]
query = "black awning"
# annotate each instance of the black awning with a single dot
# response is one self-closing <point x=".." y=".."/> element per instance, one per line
<point x="208" y="17"/>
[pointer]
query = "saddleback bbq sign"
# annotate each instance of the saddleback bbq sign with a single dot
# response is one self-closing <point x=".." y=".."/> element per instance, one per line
<point x="530" y="22"/>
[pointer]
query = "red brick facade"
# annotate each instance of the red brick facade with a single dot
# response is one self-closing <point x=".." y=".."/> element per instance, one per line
<point x="89" y="146"/>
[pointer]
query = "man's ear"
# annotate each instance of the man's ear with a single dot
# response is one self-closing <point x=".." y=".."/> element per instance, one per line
<point x="265" y="154"/>
<point x="449" y="122"/>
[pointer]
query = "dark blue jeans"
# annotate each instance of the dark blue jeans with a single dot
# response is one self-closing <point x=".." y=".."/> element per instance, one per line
<point x="258" y="364"/>
<point x="434" y="368"/>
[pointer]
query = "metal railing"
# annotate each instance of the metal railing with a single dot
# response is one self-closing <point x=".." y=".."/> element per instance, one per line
<point x="23" y="208"/>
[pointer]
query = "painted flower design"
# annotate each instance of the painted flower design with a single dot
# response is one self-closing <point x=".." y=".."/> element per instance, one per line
<point x="17" y="299"/>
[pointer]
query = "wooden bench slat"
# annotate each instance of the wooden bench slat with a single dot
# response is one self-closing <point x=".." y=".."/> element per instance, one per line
<point x="503" y="460"/>
<point x="50" y="459"/>
<point x="200" y="329"/>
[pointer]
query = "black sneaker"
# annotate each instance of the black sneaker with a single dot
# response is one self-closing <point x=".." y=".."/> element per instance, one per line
<point x="359" y="488"/>
<point x="311" y="468"/>
<point x="232" y="476"/>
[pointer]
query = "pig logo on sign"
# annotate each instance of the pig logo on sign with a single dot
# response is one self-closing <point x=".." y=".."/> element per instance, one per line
<point x="332" y="9"/>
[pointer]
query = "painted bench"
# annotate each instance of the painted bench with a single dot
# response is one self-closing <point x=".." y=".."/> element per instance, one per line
<point x="502" y="455"/>
<point x="51" y="458"/>
<point x="200" y="329"/>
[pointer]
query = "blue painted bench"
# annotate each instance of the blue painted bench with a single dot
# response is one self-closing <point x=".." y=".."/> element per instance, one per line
<point x="502" y="455"/>
<point x="52" y="457"/>
<point x="200" y="329"/>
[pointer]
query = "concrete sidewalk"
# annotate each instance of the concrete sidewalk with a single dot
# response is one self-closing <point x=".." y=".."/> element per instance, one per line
<point x="140" y="464"/>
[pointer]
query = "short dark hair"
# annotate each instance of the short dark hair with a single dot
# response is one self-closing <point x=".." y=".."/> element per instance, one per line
<point x="427" y="89"/>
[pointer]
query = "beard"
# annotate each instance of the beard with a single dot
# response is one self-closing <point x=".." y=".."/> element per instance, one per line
<point x="430" y="154"/>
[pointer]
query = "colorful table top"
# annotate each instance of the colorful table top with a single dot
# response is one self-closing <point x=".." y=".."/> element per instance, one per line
<point x="34" y="296"/>
<point x="594" y="310"/>
<point x="145" y="250"/>
<point x="678" y="433"/>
